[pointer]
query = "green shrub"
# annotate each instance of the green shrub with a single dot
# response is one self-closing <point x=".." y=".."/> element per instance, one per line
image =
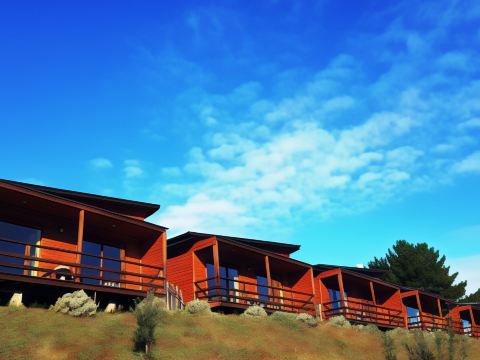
<point x="255" y="311"/>
<point x="388" y="347"/>
<point x="77" y="303"/>
<point x="339" y="321"/>
<point x="283" y="316"/>
<point x="419" y="350"/>
<point x="198" y="307"/>
<point x="307" y="319"/>
<point x="148" y="313"/>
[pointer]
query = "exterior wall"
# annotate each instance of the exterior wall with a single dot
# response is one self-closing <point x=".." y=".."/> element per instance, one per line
<point x="180" y="273"/>
<point x="155" y="256"/>
<point x="186" y="268"/>
<point x="55" y="255"/>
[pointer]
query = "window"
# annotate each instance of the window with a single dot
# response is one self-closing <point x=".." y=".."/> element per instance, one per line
<point x="23" y="234"/>
<point x="413" y="315"/>
<point x="262" y="288"/>
<point x="228" y="281"/>
<point x="104" y="258"/>
<point x="336" y="299"/>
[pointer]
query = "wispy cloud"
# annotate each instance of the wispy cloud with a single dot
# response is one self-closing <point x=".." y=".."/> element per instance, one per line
<point x="339" y="141"/>
<point x="132" y="169"/>
<point x="101" y="163"/>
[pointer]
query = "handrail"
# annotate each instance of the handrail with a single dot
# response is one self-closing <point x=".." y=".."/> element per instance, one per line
<point x="366" y="312"/>
<point x="53" y="248"/>
<point x="58" y="271"/>
<point x="253" y="283"/>
<point x="78" y="265"/>
<point x="363" y="304"/>
<point x="217" y="291"/>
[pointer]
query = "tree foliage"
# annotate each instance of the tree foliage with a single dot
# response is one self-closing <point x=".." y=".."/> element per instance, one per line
<point x="419" y="266"/>
<point x="472" y="298"/>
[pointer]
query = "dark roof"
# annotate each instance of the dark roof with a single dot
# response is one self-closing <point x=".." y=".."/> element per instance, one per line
<point x="121" y="206"/>
<point x="377" y="273"/>
<point x="271" y="246"/>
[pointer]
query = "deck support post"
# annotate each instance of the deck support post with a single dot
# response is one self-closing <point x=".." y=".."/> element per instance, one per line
<point x="372" y="291"/>
<point x="472" y="322"/>
<point x="16" y="300"/>
<point x="81" y="225"/>
<point x="267" y="272"/>
<point x="216" y="263"/>
<point x="342" y="293"/>
<point x="420" y="310"/>
<point x="439" y="308"/>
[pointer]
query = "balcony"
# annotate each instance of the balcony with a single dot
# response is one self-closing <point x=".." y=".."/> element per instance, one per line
<point x="245" y="293"/>
<point x="427" y="322"/>
<point x="364" y="312"/>
<point x="62" y="267"/>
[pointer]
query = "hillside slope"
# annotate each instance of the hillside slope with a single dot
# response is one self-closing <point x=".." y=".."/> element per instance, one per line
<point x="40" y="334"/>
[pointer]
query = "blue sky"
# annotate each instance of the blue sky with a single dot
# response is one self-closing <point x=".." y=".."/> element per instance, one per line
<point x="339" y="125"/>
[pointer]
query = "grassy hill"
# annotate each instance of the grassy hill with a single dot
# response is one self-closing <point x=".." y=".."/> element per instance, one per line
<point x="40" y="334"/>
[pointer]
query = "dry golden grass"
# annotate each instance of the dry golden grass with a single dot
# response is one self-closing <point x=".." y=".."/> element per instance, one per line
<point x="39" y="334"/>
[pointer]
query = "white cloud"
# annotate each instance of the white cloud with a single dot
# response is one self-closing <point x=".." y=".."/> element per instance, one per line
<point x="342" y="139"/>
<point x="467" y="267"/>
<point x="470" y="124"/>
<point x="101" y="163"/>
<point x="203" y="214"/>
<point x="132" y="169"/>
<point x="470" y="164"/>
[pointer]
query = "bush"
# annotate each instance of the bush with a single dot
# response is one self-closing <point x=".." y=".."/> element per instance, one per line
<point x="255" y="311"/>
<point x="307" y="319"/>
<point x="389" y="347"/>
<point x="148" y="312"/>
<point x="283" y="316"/>
<point x="77" y="303"/>
<point x="339" y="321"/>
<point x="419" y="350"/>
<point x="198" y="307"/>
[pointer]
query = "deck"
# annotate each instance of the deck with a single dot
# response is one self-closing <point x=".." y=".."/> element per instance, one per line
<point x="50" y="270"/>
<point x="241" y="294"/>
<point x="364" y="312"/>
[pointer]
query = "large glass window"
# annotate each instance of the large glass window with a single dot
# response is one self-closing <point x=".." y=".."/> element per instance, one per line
<point x="104" y="258"/>
<point x="228" y="277"/>
<point x="262" y="288"/>
<point x="413" y="315"/>
<point x="17" y="233"/>
<point x="335" y="298"/>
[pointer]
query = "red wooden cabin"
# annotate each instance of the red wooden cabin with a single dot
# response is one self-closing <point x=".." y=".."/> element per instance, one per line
<point x="234" y="273"/>
<point x="358" y="296"/>
<point x="53" y="240"/>
<point x="424" y="310"/>
<point x="465" y="319"/>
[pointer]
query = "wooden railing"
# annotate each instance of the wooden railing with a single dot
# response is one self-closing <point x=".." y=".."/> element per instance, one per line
<point x="427" y="322"/>
<point x="459" y="328"/>
<point x="247" y="293"/>
<point x="42" y="269"/>
<point x="364" y="312"/>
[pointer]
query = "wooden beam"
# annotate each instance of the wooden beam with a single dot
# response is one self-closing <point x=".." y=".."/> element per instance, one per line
<point x="341" y="288"/>
<point x="473" y="322"/>
<point x="163" y="237"/>
<point x="439" y="304"/>
<point x="420" y="310"/>
<point x="81" y="226"/>
<point x="372" y="291"/>
<point x="267" y="272"/>
<point x="216" y="262"/>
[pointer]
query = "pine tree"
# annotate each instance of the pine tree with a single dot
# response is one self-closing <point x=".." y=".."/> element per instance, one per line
<point x="419" y="266"/>
<point x="472" y="298"/>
